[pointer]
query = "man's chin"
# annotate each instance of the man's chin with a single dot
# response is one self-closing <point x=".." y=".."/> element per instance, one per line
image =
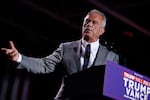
<point x="86" y="37"/>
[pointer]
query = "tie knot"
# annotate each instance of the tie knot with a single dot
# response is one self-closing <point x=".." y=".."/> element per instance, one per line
<point x="88" y="46"/>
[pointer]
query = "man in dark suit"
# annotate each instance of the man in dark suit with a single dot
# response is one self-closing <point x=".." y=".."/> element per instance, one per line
<point x="71" y="54"/>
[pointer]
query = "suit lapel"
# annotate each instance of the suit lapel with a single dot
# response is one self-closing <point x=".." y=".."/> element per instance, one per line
<point x="100" y="56"/>
<point x="77" y="54"/>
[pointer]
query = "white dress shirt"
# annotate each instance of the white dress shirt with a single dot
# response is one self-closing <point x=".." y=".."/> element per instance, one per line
<point x="94" y="49"/>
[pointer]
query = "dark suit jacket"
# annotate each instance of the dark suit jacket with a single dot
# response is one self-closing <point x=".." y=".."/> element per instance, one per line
<point x="69" y="55"/>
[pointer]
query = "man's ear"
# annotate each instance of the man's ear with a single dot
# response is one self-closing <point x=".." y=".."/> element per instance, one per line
<point x="102" y="31"/>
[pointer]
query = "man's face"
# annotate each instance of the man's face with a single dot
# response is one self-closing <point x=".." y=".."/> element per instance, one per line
<point x="92" y="27"/>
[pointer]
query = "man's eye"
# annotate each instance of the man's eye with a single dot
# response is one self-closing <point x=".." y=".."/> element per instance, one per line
<point x="87" y="21"/>
<point x="94" y="22"/>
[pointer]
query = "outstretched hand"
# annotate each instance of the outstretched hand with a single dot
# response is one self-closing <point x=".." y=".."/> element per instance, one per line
<point x="11" y="52"/>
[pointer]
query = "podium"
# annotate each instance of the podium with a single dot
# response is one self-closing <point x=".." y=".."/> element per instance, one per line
<point x="110" y="82"/>
<point x="86" y="85"/>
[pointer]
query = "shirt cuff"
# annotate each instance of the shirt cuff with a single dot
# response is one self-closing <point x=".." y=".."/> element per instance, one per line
<point x="19" y="58"/>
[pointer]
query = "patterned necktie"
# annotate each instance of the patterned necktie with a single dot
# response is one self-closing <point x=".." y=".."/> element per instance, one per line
<point x="86" y="56"/>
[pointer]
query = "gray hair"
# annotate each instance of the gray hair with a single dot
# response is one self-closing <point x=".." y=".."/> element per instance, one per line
<point x="100" y="13"/>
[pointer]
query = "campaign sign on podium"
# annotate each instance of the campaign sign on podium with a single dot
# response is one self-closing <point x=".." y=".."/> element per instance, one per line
<point x="121" y="83"/>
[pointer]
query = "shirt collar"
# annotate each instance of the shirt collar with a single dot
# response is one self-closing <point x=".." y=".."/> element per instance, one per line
<point x="93" y="44"/>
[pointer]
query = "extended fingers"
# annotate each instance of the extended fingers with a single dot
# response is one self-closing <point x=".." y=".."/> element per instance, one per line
<point x="11" y="52"/>
<point x="11" y="45"/>
<point x="8" y="51"/>
<point x="5" y="50"/>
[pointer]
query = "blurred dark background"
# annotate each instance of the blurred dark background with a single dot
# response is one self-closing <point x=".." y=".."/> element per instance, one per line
<point x="37" y="27"/>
